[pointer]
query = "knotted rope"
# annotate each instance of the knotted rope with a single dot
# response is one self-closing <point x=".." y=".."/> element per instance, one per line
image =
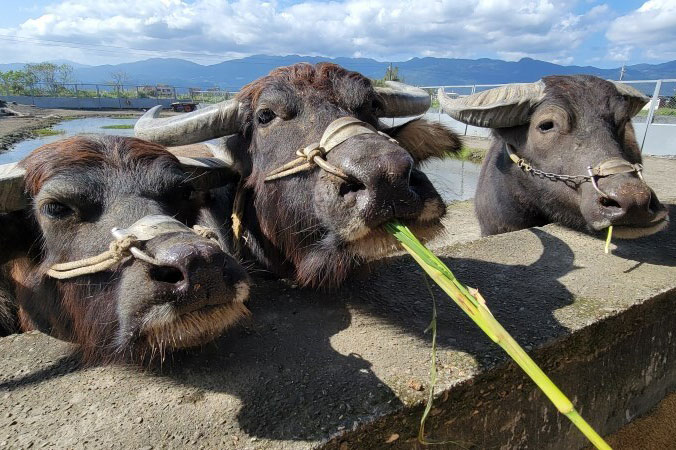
<point x="117" y="251"/>
<point x="314" y="154"/>
<point x="125" y="246"/>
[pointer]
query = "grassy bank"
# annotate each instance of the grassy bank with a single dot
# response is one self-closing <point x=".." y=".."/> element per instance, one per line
<point x="42" y="132"/>
<point x="118" y="127"/>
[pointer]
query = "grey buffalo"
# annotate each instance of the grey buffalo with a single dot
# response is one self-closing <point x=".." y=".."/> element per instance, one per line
<point x="564" y="151"/>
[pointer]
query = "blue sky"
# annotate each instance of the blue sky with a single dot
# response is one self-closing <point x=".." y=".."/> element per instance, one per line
<point x="581" y="32"/>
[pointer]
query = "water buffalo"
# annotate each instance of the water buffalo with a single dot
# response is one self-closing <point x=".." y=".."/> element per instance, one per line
<point x="159" y="287"/>
<point x="321" y="174"/>
<point x="564" y="151"/>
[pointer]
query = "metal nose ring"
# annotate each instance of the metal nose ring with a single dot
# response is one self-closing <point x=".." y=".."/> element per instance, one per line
<point x="592" y="178"/>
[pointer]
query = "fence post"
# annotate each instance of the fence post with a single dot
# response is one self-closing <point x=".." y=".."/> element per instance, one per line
<point x="77" y="96"/>
<point x="473" y="91"/>
<point x="655" y="100"/>
<point x="443" y="88"/>
<point x="98" y="95"/>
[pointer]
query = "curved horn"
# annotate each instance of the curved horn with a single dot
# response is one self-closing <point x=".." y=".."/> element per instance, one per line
<point x="12" y="196"/>
<point x="636" y="98"/>
<point x="402" y="100"/>
<point x="214" y="121"/>
<point x="505" y="106"/>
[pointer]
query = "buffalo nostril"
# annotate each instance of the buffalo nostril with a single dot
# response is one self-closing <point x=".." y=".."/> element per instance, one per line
<point x="608" y="202"/>
<point x="166" y="274"/>
<point x="654" y="205"/>
<point x="350" y="186"/>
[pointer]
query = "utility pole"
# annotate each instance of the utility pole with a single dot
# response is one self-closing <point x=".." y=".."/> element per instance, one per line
<point x="622" y="72"/>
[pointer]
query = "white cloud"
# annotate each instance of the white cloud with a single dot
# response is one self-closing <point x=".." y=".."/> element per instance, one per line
<point x="652" y="27"/>
<point x="382" y="29"/>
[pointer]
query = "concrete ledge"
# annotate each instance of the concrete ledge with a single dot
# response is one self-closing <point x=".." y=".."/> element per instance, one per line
<point x="349" y="369"/>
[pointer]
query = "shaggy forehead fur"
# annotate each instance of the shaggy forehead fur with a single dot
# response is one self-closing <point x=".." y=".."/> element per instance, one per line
<point x="574" y="94"/>
<point x="335" y="84"/>
<point x="81" y="152"/>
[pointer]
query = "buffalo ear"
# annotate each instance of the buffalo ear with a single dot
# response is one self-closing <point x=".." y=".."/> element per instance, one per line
<point x="424" y="139"/>
<point x="636" y="98"/>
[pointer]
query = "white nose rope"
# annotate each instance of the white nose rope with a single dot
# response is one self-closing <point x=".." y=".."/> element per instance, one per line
<point x="124" y="246"/>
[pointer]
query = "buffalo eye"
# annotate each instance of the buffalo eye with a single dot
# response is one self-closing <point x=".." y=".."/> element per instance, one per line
<point x="546" y="125"/>
<point x="56" y="210"/>
<point x="265" y="116"/>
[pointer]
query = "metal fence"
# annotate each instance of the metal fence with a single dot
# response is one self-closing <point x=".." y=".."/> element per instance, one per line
<point x="93" y="96"/>
<point x="655" y="126"/>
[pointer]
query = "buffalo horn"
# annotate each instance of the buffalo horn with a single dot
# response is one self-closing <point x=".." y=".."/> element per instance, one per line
<point x="505" y="106"/>
<point x="214" y="121"/>
<point x="402" y="100"/>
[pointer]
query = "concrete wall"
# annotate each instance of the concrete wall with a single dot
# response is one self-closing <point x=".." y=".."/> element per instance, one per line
<point x="88" y="103"/>
<point x="348" y="369"/>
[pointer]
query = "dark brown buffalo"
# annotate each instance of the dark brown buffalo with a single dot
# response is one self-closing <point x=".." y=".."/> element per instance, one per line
<point x="561" y="125"/>
<point x="80" y="188"/>
<point x="314" y="226"/>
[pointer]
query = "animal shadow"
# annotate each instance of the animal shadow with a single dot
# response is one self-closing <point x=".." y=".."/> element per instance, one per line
<point x="643" y="250"/>
<point x="294" y="385"/>
<point x="291" y="383"/>
<point x="522" y="298"/>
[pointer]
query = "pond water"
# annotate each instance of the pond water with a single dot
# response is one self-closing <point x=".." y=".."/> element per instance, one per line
<point x="455" y="180"/>
<point x="90" y="125"/>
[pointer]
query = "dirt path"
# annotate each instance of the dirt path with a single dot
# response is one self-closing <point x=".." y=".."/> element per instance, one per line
<point x="654" y="431"/>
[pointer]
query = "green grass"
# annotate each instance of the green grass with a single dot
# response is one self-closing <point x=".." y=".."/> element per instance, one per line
<point x="474" y="305"/>
<point x="659" y="112"/>
<point x="42" y="132"/>
<point x="475" y="155"/>
<point x="118" y="127"/>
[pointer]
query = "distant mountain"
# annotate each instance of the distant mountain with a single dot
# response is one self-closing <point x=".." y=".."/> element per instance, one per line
<point x="234" y="73"/>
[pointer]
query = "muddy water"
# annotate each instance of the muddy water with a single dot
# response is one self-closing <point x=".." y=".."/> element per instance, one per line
<point x="455" y="180"/>
<point x="91" y="125"/>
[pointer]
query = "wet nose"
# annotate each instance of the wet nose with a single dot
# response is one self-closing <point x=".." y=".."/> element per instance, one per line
<point x="191" y="266"/>
<point x="629" y="202"/>
<point x="380" y="172"/>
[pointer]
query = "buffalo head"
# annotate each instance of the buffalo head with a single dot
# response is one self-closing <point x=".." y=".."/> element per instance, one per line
<point x="315" y="225"/>
<point x="565" y="152"/>
<point x="183" y="290"/>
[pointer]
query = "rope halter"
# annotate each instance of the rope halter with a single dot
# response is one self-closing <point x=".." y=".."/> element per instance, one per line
<point x="608" y="167"/>
<point x="126" y="244"/>
<point x="314" y="154"/>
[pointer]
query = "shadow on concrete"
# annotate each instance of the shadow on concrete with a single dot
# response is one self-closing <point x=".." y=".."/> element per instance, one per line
<point x="522" y="297"/>
<point x="294" y="385"/>
<point x="642" y="250"/>
<point x="59" y="368"/>
<point x="291" y="383"/>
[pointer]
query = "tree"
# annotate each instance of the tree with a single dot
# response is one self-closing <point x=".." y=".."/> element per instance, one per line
<point x="392" y="74"/>
<point x="51" y="75"/>
<point x="119" y="77"/>
<point x="17" y="82"/>
<point x="64" y="74"/>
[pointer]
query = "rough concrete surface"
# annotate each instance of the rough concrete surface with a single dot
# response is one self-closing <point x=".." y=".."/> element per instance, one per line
<point x="349" y="369"/>
<point x="353" y="364"/>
